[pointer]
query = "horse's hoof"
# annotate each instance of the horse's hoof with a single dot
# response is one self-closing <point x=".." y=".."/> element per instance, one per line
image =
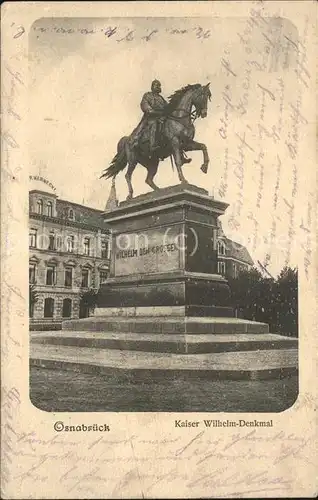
<point x="204" y="169"/>
<point x="184" y="181"/>
<point x="129" y="197"/>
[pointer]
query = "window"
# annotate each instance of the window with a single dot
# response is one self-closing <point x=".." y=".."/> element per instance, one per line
<point x="85" y="278"/>
<point x="51" y="275"/>
<point x="48" y="308"/>
<point x="70" y="244"/>
<point x="31" y="309"/>
<point x="49" y="208"/>
<point x="221" y="248"/>
<point x="51" y="241"/>
<point x="40" y="207"/>
<point x="32" y="238"/>
<point x="103" y="275"/>
<point x="32" y="273"/>
<point x="58" y="243"/>
<point x="71" y="214"/>
<point x="221" y="268"/>
<point x="86" y="246"/>
<point x="234" y="270"/>
<point x="104" y="249"/>
<point x="67" y="308"/>
<point x="68" y="277"/>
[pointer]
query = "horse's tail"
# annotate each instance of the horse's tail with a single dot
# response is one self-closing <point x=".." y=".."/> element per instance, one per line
<point x="119" y="161"/>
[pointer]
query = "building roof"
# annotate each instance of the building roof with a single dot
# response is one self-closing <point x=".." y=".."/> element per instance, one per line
<point x="82" y="213"/>
<point x="237" y="251"/>
<point x="234" y="250"/>
<point x="40" y="191"/>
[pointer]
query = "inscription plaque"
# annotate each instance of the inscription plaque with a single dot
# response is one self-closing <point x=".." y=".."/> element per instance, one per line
<point x="151" y="251"/>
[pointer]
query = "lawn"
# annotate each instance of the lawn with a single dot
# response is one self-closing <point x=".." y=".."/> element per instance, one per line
<point x="53" y="390"/>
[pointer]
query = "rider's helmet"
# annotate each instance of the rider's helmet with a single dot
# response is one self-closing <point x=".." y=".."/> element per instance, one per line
<point x="156" y="85"/>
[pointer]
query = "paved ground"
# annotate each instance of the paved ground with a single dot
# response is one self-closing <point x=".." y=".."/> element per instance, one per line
<point x="53" y="390"/>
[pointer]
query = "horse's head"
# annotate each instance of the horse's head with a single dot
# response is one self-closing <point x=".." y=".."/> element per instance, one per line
<point x="200" y="100"/>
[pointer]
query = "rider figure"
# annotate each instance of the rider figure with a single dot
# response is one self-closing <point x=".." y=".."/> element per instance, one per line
<point x="153" y="106"/>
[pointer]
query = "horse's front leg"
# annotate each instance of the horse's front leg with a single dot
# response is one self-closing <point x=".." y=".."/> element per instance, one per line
<point x="178" y="159"/>
<point x="199" y="146"/>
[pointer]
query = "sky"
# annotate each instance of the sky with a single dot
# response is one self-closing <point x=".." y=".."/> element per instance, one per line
<point x="87" y="77"/>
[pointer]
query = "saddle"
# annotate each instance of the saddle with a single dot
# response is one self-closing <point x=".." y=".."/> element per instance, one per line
<point x="142" y="135"/>
<point x="161" y="148"/>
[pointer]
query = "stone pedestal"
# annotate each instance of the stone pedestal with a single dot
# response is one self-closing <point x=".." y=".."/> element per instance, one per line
<point x="164" y="310"/>
<point x="164" y="257"/>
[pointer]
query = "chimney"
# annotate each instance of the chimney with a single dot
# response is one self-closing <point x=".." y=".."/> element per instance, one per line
<point x="220" y="229"/>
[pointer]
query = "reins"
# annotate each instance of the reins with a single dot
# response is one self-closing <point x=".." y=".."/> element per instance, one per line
<point x="192" y="114"/>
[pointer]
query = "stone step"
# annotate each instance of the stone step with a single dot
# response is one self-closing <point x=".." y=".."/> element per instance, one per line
<point x="174" y="343"/>
<point x="238" y="365"/>
<point x="166" y="325"/>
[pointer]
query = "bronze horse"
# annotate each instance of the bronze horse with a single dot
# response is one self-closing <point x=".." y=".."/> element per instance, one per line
<point x="176" y="135"/>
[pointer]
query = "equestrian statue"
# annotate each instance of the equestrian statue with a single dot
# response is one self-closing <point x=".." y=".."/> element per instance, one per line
<point x="166" y="129"/>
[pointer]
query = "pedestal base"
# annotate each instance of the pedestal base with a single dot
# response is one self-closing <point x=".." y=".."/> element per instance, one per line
<point x="164" y="311"/>
<point x="159" y="357"/>
<point x="180" y="293"/>
<point x="165" y="325"/>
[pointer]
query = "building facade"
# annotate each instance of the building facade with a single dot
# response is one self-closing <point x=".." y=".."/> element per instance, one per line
<point x="69" y="256"/>
<point x="233" y="257"/>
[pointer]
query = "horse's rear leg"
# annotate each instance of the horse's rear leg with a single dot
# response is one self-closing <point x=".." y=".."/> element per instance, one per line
<point x="152" y="170"/>
<point x="132" y="162"/>
<point x="130" y="169"/>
